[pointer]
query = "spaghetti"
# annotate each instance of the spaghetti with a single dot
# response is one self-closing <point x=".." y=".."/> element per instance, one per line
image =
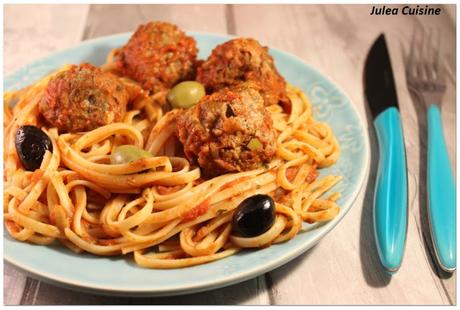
<point x="159" y="208"/>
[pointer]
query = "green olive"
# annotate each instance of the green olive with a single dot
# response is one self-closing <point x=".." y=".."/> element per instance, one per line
<point x="186" y="94"/>
<point x="127" y="153"/>
<point x="254" y="144"/>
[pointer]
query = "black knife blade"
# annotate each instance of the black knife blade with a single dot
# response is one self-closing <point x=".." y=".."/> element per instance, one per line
<point x="378" y="78"/>
<point x="390" y="196"/>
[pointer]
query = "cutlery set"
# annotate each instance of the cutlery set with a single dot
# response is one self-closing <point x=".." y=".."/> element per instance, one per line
<point x="424" y="75"/>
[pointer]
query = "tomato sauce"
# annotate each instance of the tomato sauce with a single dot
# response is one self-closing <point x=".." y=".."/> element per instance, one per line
<point x="311" y="177"/>
<point x="291" y="172"/>
<point x="166" y="190"/>
<point x="36" y="176"/>
<point x="195" y="212"/>
<point x="107" y="241"/>
<point x="234" y="182"/>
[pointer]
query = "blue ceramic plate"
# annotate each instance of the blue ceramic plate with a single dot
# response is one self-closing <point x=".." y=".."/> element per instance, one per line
<point x="120" y="275"/>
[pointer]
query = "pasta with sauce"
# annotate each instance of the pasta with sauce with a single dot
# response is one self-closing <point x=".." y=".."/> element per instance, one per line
<point x="165" y="207"/>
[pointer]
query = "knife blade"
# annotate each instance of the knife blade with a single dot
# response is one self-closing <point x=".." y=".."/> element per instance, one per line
<point x="390" y="195"/>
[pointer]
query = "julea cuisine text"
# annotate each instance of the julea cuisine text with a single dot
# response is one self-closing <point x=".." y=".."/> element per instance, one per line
<point x="406" y="10"/>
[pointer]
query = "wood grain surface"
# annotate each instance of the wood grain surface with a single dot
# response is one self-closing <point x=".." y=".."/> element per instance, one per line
<point x="344" y="267"/>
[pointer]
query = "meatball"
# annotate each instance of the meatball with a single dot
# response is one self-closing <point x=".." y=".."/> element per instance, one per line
<point x="243" y="60"/>
<point x="158" y="55"/>
<point x="83" y="98"/>
<point x="228" y="131"/>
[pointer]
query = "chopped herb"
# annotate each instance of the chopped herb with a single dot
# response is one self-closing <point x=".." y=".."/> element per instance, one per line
<point x="221" y="211"/>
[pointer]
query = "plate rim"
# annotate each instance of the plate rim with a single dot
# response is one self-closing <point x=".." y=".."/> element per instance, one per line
<point x="229" y="279"/>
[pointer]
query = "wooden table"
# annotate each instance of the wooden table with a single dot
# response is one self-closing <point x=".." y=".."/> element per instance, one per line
<point x="343" y="268"/>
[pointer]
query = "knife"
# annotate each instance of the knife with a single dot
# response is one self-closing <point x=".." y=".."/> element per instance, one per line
<point x="390" y="196"/>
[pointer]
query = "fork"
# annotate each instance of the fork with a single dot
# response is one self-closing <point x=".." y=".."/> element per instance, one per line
<point x="425" y="77"/>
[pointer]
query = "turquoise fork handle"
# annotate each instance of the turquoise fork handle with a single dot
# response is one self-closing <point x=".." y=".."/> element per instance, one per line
<point x="390" y="197"/>
<point x="441" y="194"/>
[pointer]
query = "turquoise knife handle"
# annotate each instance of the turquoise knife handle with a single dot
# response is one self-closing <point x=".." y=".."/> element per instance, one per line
<point x="390" y="197"/>
<point x="441" y="194"/>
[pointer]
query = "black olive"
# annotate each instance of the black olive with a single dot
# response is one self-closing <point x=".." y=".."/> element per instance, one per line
<point x="31" y="144"/>
<point x="254" y="216"/>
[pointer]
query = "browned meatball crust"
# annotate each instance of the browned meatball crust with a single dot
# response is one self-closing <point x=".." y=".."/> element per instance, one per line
<point x="158" y="55"/>
<point x="217" y="131"/>
<point x="240" y="60"/>
<point x="83" y="98"/>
